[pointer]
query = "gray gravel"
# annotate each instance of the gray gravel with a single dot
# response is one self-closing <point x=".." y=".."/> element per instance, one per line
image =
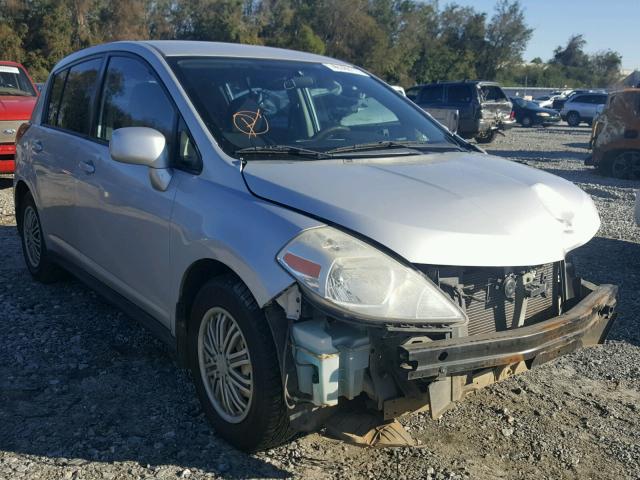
<point x="86" y="393"/>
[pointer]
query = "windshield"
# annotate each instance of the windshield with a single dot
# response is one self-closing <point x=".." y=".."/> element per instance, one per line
<point x="13" y="81"/>
<point x="257" y="103"/>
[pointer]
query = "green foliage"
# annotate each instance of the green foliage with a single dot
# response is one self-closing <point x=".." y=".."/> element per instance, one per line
<point x="570" y="66"/>
<point x="402" y="41"/>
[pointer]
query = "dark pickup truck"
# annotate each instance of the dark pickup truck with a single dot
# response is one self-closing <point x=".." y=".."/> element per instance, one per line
<point x="483" y="107"/>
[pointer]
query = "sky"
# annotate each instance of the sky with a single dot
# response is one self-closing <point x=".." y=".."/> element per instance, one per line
<point x="604" y="24"/>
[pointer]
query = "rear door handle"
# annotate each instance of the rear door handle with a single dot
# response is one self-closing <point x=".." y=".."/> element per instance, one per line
<point x="87" y="167"/>
<point x="36" y="146"/>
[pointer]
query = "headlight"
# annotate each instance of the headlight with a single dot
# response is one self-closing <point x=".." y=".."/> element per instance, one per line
<point x="543" y="114"/>
<point x="358" y="278"/>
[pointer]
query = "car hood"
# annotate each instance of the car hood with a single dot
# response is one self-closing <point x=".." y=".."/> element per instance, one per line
<point x="14" y="107"/>
<point x="448" y="209"/>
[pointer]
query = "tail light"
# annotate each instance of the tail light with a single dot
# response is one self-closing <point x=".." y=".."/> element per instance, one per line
<point x="22" y="130"/>
<point x="512" y="115"/>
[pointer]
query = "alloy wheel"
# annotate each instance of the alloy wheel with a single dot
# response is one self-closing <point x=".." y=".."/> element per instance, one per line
<point x="225" y="365"/>
<point x="32" y="236"/>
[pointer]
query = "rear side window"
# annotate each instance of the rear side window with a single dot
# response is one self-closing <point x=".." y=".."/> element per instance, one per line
<point x="432" y="94"/>
<point x="57" y="84"/>
<point x="79" y="91"/>
<point x="132" y="97"/>
<point x="460" y="94"/>
<point x="492" y="93"/>
<point x="600" y="99"/>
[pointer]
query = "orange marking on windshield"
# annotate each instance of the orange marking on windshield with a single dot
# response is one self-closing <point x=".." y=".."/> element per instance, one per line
<point x="251" y="123"/>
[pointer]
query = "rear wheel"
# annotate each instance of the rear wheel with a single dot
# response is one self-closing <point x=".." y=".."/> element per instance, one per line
<point x="34" y="247"/>
<point x="527" y="122"/>
<point x="486" y="137"/>
<point x="626" y="165"/>
<point x="573" y="119"/>
<point x="234" y="365"/>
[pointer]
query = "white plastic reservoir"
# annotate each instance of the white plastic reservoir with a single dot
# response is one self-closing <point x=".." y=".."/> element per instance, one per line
<point x="330" y="360"/>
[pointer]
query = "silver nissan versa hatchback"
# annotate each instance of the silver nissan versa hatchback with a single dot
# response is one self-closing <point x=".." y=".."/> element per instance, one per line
<point x="305" y="238"/>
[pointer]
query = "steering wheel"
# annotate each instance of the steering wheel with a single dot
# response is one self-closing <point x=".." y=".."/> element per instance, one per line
<point x="324" y="134"/>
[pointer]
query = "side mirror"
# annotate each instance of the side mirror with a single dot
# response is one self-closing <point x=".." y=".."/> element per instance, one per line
<point x="143" y="146"/>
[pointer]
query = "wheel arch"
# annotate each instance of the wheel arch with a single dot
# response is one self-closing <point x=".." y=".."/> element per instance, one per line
<point x="193" y="279"/>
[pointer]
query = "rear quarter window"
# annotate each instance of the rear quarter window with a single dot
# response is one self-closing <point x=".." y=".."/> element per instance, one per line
<point x="55" y="94"/>
<point x="492" y="93"/>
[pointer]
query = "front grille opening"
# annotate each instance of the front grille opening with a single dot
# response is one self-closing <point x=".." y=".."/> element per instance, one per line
<point x="498" y="298"/>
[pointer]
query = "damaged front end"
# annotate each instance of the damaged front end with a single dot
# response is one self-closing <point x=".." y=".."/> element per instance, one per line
<point x="504" y="321"/>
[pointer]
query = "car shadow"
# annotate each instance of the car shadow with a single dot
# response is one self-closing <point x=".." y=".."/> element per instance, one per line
<point x="584" y="145"/>
<point x="80" y="382"/>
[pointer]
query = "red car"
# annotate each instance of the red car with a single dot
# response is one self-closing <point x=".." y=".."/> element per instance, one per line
<point x="18" y="96"/>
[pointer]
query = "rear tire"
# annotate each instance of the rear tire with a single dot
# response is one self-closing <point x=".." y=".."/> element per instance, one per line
<point x="234" y="364"/>
<point x="486" y="137"/>
<point x="34" y="247"/>
<point x="527" y="122"/>
<point x="626" y="165"/>
<point x="573" y="119"/>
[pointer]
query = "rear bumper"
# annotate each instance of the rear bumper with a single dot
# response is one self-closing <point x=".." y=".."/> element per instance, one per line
<point x="506" y="124"/>
<point x="585" y="324"/>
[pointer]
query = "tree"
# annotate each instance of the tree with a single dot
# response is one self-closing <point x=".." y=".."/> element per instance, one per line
<point x="507" y="38"/>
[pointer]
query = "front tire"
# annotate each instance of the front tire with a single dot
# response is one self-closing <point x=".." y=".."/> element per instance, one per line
<point x="34" y="247"/>
<point x="234" y="364"/>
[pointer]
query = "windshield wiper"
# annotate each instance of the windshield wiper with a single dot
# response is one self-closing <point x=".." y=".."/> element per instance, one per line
<point x="284" y="150"/>
<point x="360" y="147"/>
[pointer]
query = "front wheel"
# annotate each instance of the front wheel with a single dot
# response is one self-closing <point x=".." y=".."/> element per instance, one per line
<point x="486" y="137"/>
<point x="235" y="368"/>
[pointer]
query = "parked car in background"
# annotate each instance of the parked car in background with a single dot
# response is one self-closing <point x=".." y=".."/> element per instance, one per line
<point x="545" y="101"/>
<point x="299" y="233"/>
<point x="18" y="96"/>
<point x="559" y="102"/>
<point x="615" y="138"/>
<point x="582" y="107"/>
<point x="482" y="106"/>
<point x="529" y="114"/>
<point x="399" y="89"/>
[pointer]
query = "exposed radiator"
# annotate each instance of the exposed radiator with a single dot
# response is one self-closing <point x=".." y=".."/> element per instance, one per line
<point x="489" y="309"/>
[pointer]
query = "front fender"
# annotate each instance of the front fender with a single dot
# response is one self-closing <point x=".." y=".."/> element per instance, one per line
<point x="212" y="221"/>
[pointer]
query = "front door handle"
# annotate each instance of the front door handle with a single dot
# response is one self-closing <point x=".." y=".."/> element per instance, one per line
<point x="36" y="146"/>
<point x="87" y="167"/>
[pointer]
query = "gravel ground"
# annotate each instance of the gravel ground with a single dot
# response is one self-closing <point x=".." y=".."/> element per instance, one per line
<point x="86" y="393"/>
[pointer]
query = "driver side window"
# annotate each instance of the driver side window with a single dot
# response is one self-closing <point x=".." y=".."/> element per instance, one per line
<point x="133" y="97"/>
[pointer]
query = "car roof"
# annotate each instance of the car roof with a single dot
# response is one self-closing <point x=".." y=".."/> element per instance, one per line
<point x="10" y="63"/>
<point x="459" y="82"/>
<point x="192" y="48"/>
